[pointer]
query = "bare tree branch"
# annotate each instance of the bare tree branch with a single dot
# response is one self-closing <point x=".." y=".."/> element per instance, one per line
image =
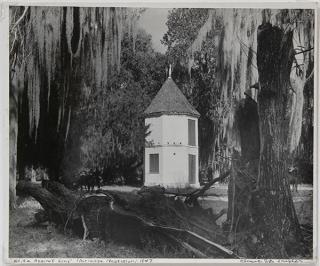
<point x="304" y="51"/>
<point x="13" y="43"/>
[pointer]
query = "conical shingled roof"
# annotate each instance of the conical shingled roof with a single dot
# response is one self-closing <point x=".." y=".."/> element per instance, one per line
<point x="170" y="100"/>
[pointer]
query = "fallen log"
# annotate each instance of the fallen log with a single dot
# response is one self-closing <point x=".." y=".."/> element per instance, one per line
<point x="131" y="228"/>
<point x="211" y="248"/>
<point x="65" y="207"/>
<point x="89" y="209"/>
<point x="101" y="215"/>
<point x="56" y="208"/>
<point x="191" y="199"/>
<point x="195" y="251"/>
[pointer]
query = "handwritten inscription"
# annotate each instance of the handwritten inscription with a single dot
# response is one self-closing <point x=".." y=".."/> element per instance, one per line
<point x="271" y="261"/>
<point x="77" y="260"/>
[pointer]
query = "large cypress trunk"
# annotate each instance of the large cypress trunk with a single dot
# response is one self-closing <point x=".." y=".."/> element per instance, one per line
<point x="278" y="227"/>
<point x="244" y="170"/>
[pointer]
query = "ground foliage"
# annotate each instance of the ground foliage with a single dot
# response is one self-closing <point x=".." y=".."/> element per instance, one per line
<point x="29" y="239"/>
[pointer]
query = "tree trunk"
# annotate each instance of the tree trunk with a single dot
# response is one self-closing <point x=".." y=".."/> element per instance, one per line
<point x="277" y="224"/>
<point x="56" y="200"/>
<point x="13" y="127"/>
<point x="244" y="168"/>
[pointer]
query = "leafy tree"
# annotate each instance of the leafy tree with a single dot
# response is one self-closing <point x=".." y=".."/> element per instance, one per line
<point x="112" y="122"/>
<point x="65" y="62"/>
<point x="197" y="77"/>
<point x="183" y="26"/>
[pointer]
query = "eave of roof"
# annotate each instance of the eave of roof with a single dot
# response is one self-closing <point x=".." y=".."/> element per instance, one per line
<point x="157" y="114"/>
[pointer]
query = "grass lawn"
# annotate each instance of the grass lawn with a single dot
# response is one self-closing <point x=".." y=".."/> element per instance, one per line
<point x="27" y="240"/>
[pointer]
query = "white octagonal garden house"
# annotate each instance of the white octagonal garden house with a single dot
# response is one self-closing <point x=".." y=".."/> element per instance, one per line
<point x="171" y="152"/>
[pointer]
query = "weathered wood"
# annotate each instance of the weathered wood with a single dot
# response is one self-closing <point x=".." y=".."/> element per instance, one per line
<point x="99" y="215"/>
<point x="89" y="209"/>
<point x="85" y="228"/>
<point x="48" y="200"/>
<point x="211" y="248"/>
<point x="62" y="205"/>
<point x="135" y="227"/>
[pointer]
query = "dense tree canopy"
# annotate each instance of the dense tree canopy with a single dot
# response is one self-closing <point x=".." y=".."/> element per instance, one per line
<point x="82" y="78"/>
<point x="112" y="119"/>
<point x="214" y="55"/>
<point x="97" y="72"/>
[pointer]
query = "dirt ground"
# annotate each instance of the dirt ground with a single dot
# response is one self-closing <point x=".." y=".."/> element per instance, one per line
<point x="302" y="200"/>
<point x="29" y="240"/>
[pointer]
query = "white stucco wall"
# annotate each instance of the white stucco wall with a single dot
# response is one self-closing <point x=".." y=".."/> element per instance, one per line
<point x="175" y="172"/>
<point x="175" y="129"/>
<point x="176" y="166"/>
<point x="155" y="129"/>
<point x="169" y="135"/>
<point x="170" y="129"/>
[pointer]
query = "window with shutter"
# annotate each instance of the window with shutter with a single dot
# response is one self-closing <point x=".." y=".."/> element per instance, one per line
<point x="154" y="163"/>
<point x="191" y="132"/>
<point x="192" y="169"/>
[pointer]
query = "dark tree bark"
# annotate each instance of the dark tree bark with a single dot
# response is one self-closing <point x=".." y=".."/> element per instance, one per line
<point x="56" y="200"/>
<point x="278" y="228"/>
<point x="244" y="167"/>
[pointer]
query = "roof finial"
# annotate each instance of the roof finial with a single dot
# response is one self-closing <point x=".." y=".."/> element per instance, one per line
<point x="169" y="71"/>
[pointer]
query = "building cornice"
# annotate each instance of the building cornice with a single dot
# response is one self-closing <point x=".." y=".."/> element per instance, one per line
<point x="158" y="114"/>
